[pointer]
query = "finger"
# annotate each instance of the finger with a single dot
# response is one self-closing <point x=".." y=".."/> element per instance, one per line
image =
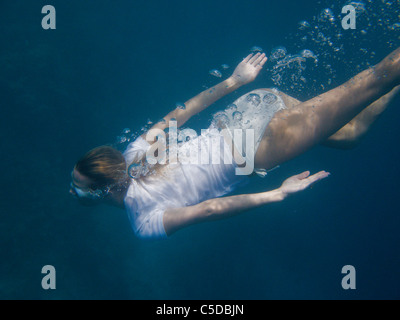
<point x="248" y="58"/>
<point x="318" y="176"/>
<point x="261" y="64"/>
<point x="259" y="59"/>
<point x="303" y="175"/>
<point x="263" y="61"/>
<point x="254" y="58"/>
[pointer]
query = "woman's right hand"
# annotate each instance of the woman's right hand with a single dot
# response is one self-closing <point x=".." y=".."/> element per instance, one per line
<point x="301" y="182"/>
<point x="249" y="68"/>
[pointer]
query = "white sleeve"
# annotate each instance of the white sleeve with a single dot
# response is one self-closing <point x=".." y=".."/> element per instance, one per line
<point x="135" y="150"/>
<point x="153" y="226"/>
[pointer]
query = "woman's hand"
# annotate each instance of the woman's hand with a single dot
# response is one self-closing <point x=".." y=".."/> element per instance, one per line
<point x="249" y="68"/>
<point x="301" y="181"/>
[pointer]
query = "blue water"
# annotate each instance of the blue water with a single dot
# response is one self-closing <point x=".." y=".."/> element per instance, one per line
<point x="113" y="65"/>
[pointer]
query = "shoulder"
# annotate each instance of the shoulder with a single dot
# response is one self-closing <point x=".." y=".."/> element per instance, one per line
<point x="136" y="149"/>
<point x="138" y="144"/>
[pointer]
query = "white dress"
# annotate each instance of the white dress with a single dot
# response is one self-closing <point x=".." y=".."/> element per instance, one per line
<point x="186" y="183"/>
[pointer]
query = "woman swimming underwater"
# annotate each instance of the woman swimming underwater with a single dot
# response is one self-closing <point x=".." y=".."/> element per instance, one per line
<point x="163" y="198"/>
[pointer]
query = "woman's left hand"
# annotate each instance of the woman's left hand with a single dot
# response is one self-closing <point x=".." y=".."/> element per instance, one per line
<point x="249" y="68"/>
<point x="301" y="182"/>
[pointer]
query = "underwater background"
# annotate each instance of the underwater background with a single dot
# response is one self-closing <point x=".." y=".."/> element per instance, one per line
<point x="111" y="65"/>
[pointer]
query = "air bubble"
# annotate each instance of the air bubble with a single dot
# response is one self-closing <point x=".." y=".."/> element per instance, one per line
<point x="121" y="139"/>
<point x="216" y="73"/>
<point x="308" y="54"/>
<point x="327" y="14"/>
<point x="237" y="116"/>
<point x="134" y="170"/>
<point x="303" y="25"/>
<point x="180" y="105"/>
<point x="359" y="6"/>
<point x="278" y="53"/>
<point x="270" y="98"/>
<point x="232" y="107"/>
<point x="256" y="49"/>
<point x="254" y="99"/>
<point x="220" y="120"/>
<point x="395" y="27"/>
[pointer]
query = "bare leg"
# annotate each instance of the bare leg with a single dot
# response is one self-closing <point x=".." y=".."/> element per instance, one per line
<point x="294" y="131"/>
<point x="351" y="134"/>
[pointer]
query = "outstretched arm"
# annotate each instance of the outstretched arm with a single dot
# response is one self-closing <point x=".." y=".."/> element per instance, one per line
<point x="220" y="208"/>
<point x="244" y="73"/>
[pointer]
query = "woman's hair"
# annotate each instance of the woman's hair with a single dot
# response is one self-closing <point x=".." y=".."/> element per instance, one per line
<point x="105" y="166"/>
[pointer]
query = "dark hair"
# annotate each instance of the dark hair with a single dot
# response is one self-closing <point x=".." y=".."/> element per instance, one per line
<point x="105" y="166"/>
